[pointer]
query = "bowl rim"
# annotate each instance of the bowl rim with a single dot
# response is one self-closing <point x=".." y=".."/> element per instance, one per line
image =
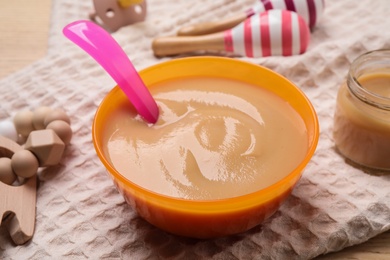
<point x="216" y="205"/>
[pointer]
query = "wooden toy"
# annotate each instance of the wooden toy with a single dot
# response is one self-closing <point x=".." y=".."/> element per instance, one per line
<point x="114" y="14"/>
<point x="310" y="10"/>
<point x="7" y="175"/>
<point x="274" y="32"/>
<point x="17" y="203"/>
<point x="23" y="122"/>
<point x="56" y="114"/>
<point x="62" y="129"/>
<point x="47" y="132"/>
<point x="46" y="145"/>
<point x="38" y="117"/>
<point x="17" y="208"/>
<point x="24" y="163"/>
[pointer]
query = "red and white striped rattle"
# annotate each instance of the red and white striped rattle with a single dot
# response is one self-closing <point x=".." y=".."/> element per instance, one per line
<point x="270" y="33"/>
<point x="310" y="10"/>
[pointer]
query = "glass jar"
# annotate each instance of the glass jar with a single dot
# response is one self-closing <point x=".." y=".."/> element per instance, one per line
<point x="362" y="117"/>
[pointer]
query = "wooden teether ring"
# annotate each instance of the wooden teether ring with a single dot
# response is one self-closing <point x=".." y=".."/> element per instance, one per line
<point x="17" y="203"/>
<point x="47" y="132"/>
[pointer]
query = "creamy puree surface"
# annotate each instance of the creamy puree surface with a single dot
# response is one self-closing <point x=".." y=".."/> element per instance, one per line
<point x="215" y="138"/>
<point x="361" y="132"/>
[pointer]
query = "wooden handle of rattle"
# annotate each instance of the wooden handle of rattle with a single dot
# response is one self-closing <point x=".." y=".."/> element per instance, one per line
<point x="166" y="46"/>
<point x="212" y="27"/>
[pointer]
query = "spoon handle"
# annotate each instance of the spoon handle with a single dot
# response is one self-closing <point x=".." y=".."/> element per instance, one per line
<point x="100" y="45"/>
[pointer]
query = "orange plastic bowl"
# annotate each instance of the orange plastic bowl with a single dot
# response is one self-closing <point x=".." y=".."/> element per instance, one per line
<point x="209" y="218"/>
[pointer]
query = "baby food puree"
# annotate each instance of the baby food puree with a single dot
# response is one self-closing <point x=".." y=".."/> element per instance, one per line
<point x="215" y="138"/>
<point x="361" y="132"/>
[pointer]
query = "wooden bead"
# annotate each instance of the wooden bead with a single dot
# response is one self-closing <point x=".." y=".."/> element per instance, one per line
<point x="7" y="129"/>
<point x="56" y="114"/>
<point x="62" y="129"/>
<point x="39" y="116"/>
<point x="24" y="163"/>
<point x="23" y="122"/>
<point x="46" y="146"/>
<point x="7" y="175"/>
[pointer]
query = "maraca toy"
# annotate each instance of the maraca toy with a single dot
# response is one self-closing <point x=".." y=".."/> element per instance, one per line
<point x="310" y="10"/>
<point x="270" y="33"/>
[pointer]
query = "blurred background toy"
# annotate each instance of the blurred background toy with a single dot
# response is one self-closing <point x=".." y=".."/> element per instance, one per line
<point x="270" y="33"/>
<point x="114" y="14"/>
<point x="310" y="10"/>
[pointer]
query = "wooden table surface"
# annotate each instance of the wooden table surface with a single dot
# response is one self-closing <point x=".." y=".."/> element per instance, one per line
<point x="24" y="28"/>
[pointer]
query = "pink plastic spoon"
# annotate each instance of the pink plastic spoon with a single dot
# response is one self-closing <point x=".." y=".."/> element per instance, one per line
<point x="106" y="51"/>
